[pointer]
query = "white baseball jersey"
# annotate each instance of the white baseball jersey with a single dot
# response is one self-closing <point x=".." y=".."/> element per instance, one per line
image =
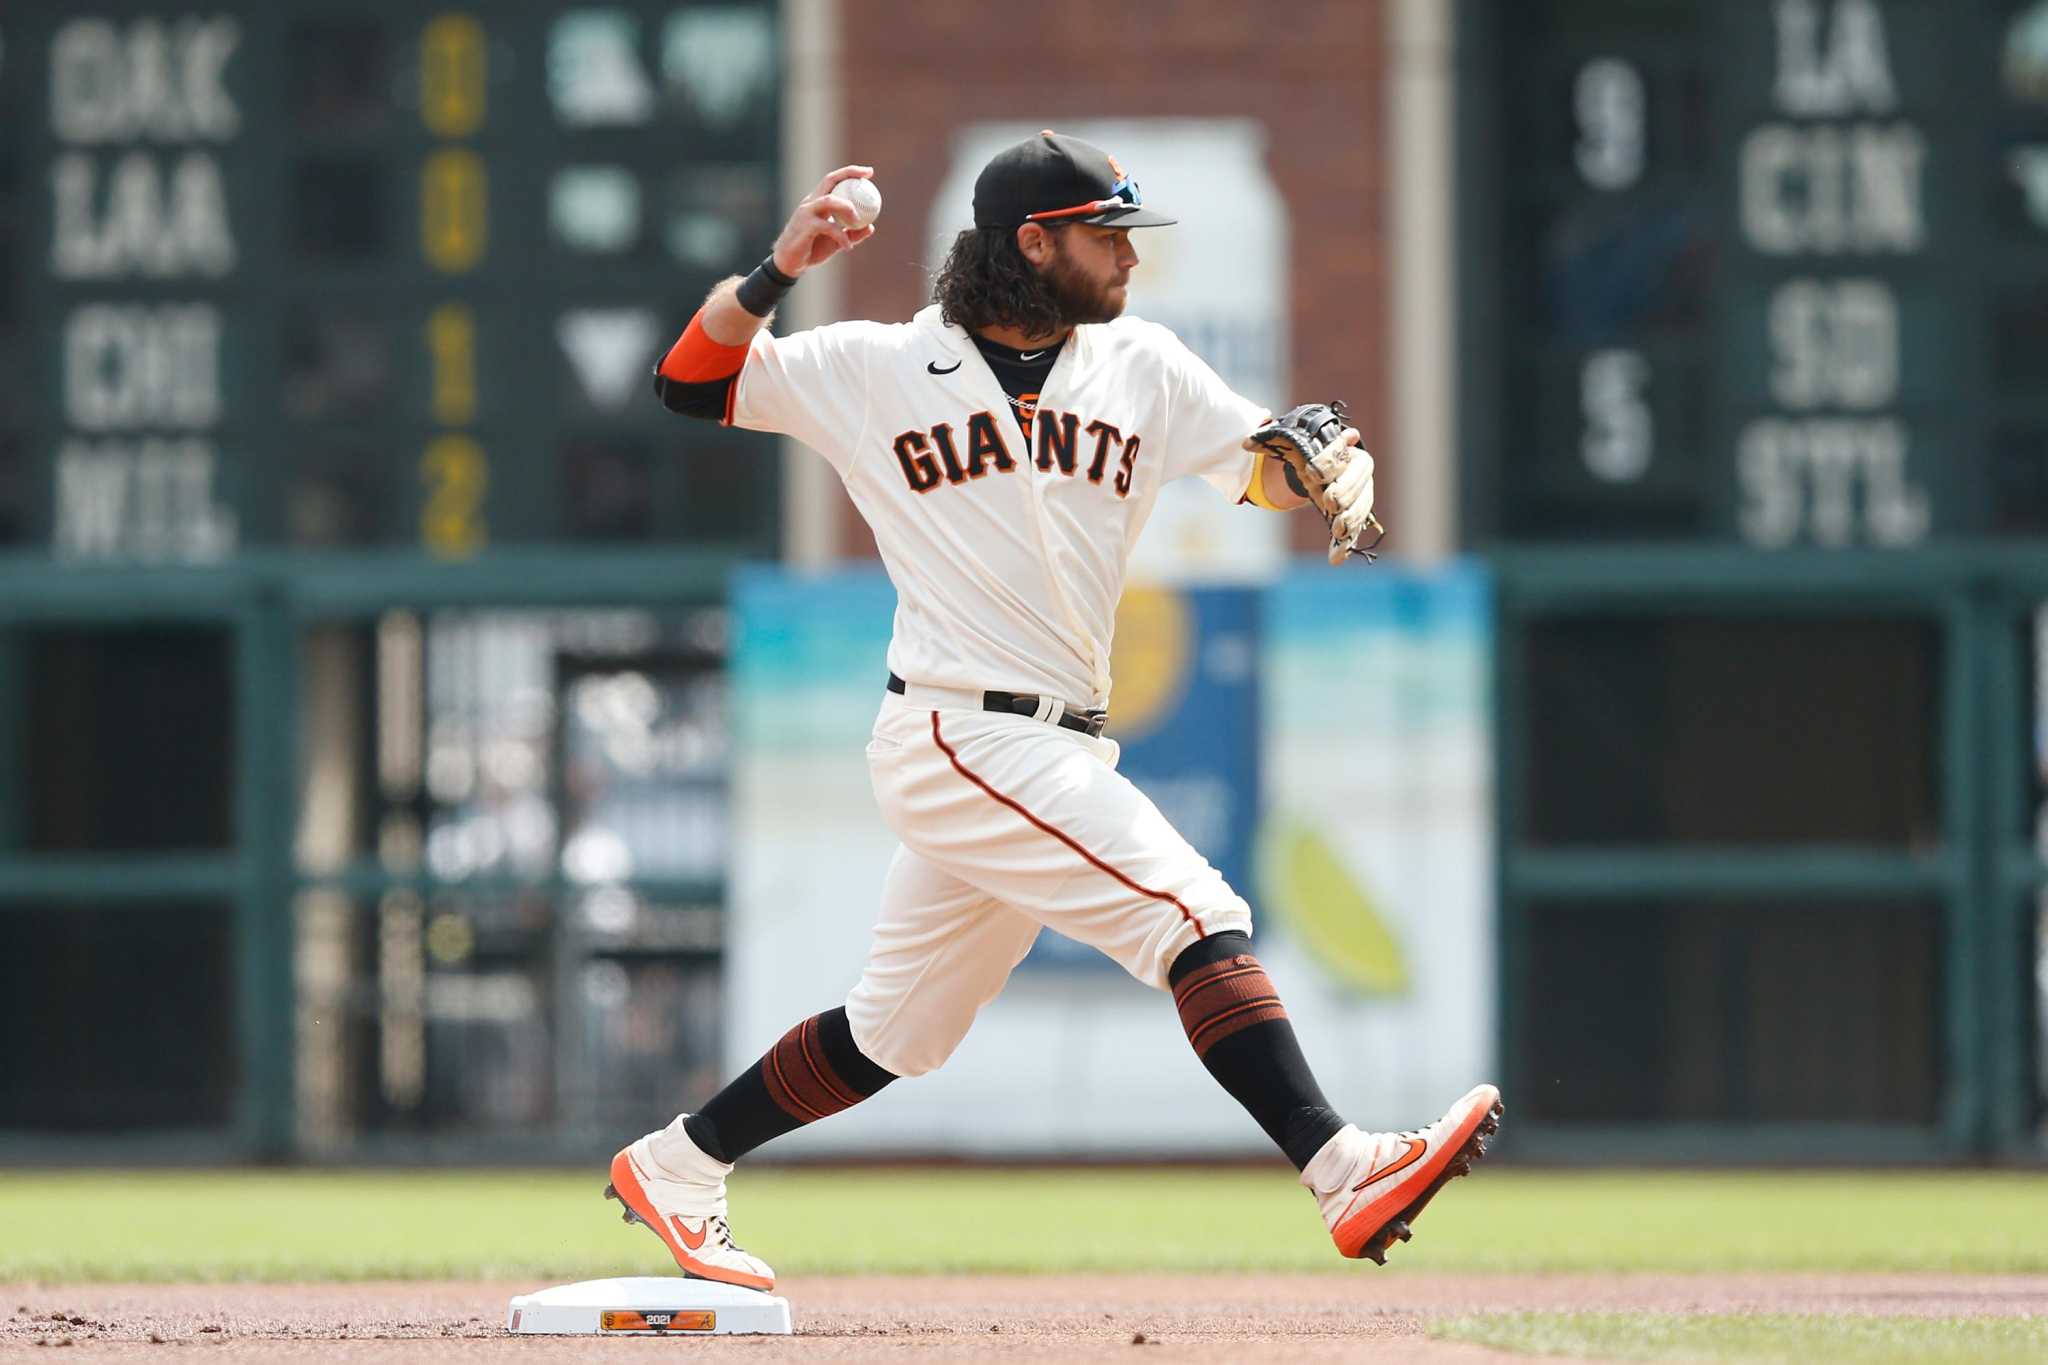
<point x="1008" y="561"/>
<point x="1008" y="558"/>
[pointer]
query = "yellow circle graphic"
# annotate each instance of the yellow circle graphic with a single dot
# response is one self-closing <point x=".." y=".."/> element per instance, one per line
<point x="1150" y="660"/>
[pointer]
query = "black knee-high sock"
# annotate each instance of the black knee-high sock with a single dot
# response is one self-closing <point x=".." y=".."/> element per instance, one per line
<point x="1239" y="1029"/>
<point x="813" y="1072"/>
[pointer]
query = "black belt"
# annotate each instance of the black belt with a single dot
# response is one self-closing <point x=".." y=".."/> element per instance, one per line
<point x="1020" y="704"/>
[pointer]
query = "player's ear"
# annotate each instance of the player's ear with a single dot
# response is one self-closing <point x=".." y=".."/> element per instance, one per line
<point x="1035" y="242"/>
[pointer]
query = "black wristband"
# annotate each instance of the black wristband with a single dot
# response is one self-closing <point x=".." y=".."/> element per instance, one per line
<point x="761" y="290"/>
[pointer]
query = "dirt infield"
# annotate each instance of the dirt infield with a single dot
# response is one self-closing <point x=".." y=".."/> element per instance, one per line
<point x="1194" y="1317"/>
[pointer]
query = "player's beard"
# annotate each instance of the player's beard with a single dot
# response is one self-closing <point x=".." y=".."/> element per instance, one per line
<point x="1079" y="298"/>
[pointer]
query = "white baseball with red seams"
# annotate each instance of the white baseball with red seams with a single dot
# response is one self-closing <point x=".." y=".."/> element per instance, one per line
<point x="1008" y="557"/>
<point x="865" y="198"/>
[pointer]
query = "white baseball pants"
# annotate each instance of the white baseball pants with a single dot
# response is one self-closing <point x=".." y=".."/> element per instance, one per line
<point x="1009" y="823"/>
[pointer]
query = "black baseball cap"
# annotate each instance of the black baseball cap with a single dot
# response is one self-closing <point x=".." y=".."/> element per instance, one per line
<point x="1052" y="178"/>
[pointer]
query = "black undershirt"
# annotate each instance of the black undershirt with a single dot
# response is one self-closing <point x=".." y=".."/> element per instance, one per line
<point x="1022" y="378"/>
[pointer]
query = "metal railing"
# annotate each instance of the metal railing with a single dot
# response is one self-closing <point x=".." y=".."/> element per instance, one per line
<point x="1983" y="871"/>
<point x="266" y="604"/>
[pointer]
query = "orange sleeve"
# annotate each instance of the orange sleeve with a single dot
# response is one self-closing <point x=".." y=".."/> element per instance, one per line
<point x="697" y="359"/>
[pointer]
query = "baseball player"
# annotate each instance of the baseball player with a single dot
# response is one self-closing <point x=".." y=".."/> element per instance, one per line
<point x="1005" y="445"/>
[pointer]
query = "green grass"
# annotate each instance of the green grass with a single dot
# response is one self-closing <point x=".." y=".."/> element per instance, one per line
<point x="1764" y="1339"/>
<point x="72" y="1226"/>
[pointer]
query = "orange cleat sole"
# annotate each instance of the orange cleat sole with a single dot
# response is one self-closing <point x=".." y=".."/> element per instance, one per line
<point x="1367" y="1234"/>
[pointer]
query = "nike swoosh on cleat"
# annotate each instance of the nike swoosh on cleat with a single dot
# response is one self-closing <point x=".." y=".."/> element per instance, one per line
<point x="933" y="367"/>
<point x="1407" y="1159"/>
<point x="690" y="1241"/>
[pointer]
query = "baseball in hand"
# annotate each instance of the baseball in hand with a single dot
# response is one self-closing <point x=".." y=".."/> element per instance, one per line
<point x="865" y="198"/>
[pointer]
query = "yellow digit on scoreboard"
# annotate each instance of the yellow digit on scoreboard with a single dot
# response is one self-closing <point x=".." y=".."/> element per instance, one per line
<point x="456" y="473"/>
<point x="451" y="352"/>
<point x="454" y="75"/>
<point x="454" y="209"/>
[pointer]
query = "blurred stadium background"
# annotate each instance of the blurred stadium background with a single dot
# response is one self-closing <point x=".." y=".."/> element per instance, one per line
<point x="417" y="746"/>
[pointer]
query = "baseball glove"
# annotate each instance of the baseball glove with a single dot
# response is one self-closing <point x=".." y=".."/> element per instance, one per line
<point x="1326" y="469"/>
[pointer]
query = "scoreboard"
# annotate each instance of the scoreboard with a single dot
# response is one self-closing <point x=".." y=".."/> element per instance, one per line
<point x="306" y="274"/>
<point x="1769" y="272"/>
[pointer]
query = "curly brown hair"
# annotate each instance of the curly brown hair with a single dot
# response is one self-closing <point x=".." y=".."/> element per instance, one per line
<point x="986" y="282"/>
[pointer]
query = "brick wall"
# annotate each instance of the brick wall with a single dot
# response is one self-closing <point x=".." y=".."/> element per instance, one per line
<point x="915" y="70"/>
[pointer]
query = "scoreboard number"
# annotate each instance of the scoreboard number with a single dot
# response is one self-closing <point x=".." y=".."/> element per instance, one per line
<point x="454" y="213"/>
<point x="451" y="349"/>
<point x="1620" y="434"/>
<point x="456" y="475"/>
<point x="1608" y="99"/>
<point x="454" y="232"/>
<point x="453" y="75"/>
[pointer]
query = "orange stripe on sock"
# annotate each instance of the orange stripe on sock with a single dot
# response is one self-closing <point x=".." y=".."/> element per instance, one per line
<point x="1221" y="995"/>
<point x="1217" y="1027"/>
<point x="801" y="1079"/>
<point x="1225" y="998"/>
<point x="781" y="1091"/>
<point x="821" y="1068"/>
<point x="1241" y="965"/>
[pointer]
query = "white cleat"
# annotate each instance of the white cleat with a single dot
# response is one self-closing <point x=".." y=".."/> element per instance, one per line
<point x="1371" y="1186"/>
<point x="685" y="1208"/>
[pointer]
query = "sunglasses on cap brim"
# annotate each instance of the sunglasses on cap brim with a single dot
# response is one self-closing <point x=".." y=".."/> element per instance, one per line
<point x="1123" y="194"/>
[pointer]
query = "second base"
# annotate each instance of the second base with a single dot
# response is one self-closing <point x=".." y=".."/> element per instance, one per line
<point x="648" y="1306"/>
